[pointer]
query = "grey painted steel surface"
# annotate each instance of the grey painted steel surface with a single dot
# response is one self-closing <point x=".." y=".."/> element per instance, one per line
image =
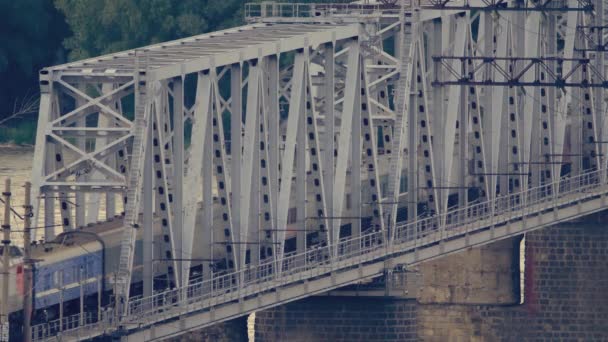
<point x="362" y="257"/>
<point x="332" y="110"/>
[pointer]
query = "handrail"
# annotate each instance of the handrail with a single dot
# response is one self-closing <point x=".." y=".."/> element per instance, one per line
<point x="348" y="247"/>
<point x="64" y="324"/>
<point x="269" y="9"/>
<point x="409" y="235"/>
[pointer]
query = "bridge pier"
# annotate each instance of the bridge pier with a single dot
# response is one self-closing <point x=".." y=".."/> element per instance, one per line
<point x="234" y="330"/>
<point x="472" y="296"/>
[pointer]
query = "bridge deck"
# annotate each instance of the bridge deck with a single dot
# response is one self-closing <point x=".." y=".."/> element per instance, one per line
<point x="232" y="295"/>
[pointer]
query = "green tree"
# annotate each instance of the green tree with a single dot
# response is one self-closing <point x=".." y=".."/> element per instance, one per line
<point x="105" y="26"/>
<point x="31" y="32"/>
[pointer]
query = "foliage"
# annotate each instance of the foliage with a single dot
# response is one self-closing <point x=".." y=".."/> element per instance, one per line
<point x="31" y="32"/>
<point x="22" y="132"/>
<point x="309" y="1"/>
<point x="104" y="26"/>
<point x="33" y="35"/>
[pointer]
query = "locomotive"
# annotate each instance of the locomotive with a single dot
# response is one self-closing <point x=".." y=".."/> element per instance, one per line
<point x="77" y="265"/>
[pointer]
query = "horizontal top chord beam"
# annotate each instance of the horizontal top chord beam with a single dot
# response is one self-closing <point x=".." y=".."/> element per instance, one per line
<point x="215" y="49"/>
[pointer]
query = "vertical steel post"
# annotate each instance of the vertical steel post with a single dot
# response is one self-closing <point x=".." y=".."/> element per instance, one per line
<point x="439" y="125"/>
<point x="93" y="203"/>
<point x="412" y="131"/>
<point x="27" y="265"/>
<point x="301" y="166"/>
<point x="599" y="104"/>
<point x="355" y="149"/>
<point x="99" y="294"/>
<point x="6" y="244"/>
<point x="43" y="164"/>
<point x="296" y="107"/>
<point x="488" y="122"/>
<point x="236" y="146"/>
<point x="116" y="163"/>
<point x="328" y="110"/>
<point x="207" y="169"/>
<point x="178" y="174"/>
<point x="60" y="281"/>
<point x="463" y="117"/>
<point x="344" y="143"/>
<point x="148" y="220"/>
<point x="273" y="139"/>
<point x="80" y="282"/>
<point x="249" y="220"/>
<point x="81" y="197"/>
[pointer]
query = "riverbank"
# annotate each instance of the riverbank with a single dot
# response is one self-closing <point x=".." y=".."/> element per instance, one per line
<point x="21" y="133"/>
<point x="16" y="164"/>
<point x="12" y="146"/>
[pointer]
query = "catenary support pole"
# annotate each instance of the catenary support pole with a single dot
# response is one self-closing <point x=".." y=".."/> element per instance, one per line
<point x="27" y="264"/>
<point x="6" y="242"/>
<point x="61" y="304"/>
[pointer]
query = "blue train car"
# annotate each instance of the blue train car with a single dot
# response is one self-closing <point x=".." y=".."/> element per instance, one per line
<point x="72" y="264"/>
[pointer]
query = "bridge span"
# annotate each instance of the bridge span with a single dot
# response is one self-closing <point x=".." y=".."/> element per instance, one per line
<point x="318" y="146"/>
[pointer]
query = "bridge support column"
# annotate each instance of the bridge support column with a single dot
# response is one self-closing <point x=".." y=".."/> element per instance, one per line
<point x="388" y="308"/>
<point x="471" y="296"/>
<point x="234" y="330"/>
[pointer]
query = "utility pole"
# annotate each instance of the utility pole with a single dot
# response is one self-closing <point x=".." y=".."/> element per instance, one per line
<point x="81" y="278"/>
<point x="60" y="274"/>
<point x="6" y="241"/>
<point x="27" y="265"/>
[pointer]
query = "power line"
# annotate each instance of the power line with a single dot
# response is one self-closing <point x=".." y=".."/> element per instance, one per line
<point x="13" y="210"/>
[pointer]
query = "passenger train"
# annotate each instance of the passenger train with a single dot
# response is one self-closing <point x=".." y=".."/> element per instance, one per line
<point x="77" y="264"/>
<point x="82" y="263"/>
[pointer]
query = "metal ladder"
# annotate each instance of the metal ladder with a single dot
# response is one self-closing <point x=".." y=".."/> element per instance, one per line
<point x="140" y="131"/>
<point x="400" y="97"/>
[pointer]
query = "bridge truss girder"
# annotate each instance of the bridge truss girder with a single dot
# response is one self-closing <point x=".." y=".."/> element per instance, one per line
<point x="256" y="145"/>
<point x="178" y="128"/>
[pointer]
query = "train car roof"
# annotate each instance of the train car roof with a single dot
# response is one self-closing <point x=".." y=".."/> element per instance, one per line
<point x="68" y="244"/>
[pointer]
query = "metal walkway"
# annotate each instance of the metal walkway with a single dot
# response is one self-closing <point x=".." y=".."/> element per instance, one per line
<point x="297" y="276"/>
<point x="317" y="147"/>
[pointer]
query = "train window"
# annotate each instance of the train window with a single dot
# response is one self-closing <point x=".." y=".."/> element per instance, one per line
<point x="56" y="280"/>
<point x="47" y="281"/>
<point x="291" y="215"/>
<point x="71" y="276"/>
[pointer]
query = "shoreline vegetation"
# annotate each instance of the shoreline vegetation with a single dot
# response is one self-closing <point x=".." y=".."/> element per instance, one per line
<point x="20" y="133"/>
<point x="45" y="33"/>
<point x="15" y="147"/>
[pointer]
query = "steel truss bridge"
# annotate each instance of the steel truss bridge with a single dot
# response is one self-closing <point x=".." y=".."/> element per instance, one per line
<point x="319" y="146"/>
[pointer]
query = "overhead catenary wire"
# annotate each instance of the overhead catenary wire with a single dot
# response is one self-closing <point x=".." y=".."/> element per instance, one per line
<point x="15" y="213"/>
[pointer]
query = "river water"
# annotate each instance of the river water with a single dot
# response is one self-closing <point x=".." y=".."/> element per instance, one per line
<point x="16" y="163"/>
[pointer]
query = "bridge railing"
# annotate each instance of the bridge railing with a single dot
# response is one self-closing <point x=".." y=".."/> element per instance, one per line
<point x="253" y="277"/>
<point x="422" y="232"/>
<point x="64" y="324"/>
<point x="499" y="208"/>
<point x="352" y="250"/>
<point x="270" y="9"/>
<point x="282" y="10"/>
